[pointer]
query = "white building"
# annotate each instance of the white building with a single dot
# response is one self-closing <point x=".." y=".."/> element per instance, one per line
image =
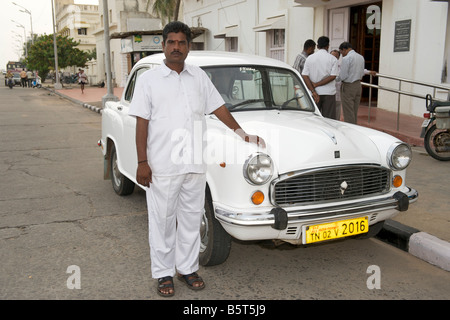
<point x="402" y="38"/>
<point x="78" y="22"/>
<point x="132" y="30"/>
<point x="413" y="43"/>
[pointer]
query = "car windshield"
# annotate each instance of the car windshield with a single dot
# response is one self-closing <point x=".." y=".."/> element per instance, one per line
<point x="259" y="88"/>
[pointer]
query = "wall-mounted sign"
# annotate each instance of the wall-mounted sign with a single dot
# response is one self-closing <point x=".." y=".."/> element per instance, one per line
<point x="402" y="36"/>
<point x="139" y="43"/>
<point x="126" y="45"/>
<point x="147" y="43"/>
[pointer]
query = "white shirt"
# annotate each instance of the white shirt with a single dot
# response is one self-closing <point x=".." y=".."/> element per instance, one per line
<point x="175" y="105"/>
<point x="352" y="67"/>
<point x="319" y="66"/>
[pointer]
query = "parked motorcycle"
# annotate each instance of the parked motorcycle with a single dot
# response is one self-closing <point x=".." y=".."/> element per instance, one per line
<point x="36" y="82"/>
<point x="436" y="129"/>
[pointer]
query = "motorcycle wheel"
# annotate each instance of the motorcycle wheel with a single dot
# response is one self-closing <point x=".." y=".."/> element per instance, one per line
<point x="437" y="143"/>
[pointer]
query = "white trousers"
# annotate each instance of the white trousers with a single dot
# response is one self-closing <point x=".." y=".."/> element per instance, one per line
<point x="175" y="209"/>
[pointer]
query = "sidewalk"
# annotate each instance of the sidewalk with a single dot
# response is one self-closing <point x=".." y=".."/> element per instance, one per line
<point x="91" y="98"/>
<point x="386" y="121"/>
<point x="420" y="244"/>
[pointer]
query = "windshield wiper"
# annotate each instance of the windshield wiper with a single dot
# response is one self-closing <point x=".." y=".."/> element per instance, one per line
<point x="243" y="103"/>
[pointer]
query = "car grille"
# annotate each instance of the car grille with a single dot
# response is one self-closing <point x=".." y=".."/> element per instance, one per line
<point x="330" y="184"/>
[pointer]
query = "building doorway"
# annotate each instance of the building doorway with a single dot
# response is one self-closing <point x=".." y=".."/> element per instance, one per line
<point x="366" y="41"/>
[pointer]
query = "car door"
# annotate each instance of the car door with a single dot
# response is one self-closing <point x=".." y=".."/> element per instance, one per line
<point x="127" y="153"/>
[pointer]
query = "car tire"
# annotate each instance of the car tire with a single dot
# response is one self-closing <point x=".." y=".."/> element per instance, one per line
<point x="215" y="241"/>
<point x="121" y="184"/>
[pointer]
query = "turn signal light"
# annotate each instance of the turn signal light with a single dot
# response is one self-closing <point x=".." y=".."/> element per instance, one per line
<point x="397" y="181"/>
<point x="257" y="197"/>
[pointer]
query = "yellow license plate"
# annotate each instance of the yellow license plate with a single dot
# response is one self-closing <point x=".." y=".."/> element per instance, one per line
<point x="335" y="230"/>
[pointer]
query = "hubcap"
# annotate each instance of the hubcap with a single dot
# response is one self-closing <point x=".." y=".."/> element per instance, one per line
<point x="204" y="233"/>
<point x="115" y="171"/>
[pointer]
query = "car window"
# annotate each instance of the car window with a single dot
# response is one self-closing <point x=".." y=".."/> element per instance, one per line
<point x="258" y="87"/>
<point x="287" y="91"/>
<point x="132" y="83"/>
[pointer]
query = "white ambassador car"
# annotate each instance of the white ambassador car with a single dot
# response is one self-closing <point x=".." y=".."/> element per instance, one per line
<point x="316" y="180"/>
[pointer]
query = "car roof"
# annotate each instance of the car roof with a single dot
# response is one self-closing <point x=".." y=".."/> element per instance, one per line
<point x="218" y="58"/>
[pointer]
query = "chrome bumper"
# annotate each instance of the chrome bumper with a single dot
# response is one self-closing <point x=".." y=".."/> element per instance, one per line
<point x="279" y="218"/>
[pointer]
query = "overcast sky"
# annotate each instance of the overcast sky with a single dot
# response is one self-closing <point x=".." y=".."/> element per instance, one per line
<point x="11" y="36"/>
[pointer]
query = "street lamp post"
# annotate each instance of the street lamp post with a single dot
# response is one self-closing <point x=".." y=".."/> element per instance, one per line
<point x="25" y="10"/>
<point x="110" y="91"/>
<point x="58" y="85"/>
<point x="25" y="36"/>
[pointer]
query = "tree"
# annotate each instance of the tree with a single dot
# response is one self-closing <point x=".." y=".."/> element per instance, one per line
<point x="41" y="56"/>
<point x="166" y="9"/>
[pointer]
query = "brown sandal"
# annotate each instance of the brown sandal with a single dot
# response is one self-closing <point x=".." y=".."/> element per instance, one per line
<point x="190" y="279"/>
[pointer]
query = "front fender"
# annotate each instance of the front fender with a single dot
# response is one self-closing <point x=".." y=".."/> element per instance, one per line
<point x="426" y="126"/>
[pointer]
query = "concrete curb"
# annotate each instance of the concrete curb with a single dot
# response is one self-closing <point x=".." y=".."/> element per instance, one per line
<point x="430" y="249"/>
<point x="85" y="105"/>
<point x="420" y="244"/>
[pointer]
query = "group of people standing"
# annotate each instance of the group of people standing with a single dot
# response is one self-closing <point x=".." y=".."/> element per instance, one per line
<point x="331" y="82"/>
<point x="25" y="78"/>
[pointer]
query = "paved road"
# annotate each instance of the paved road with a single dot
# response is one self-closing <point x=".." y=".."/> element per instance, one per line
<point x="56" y="211"/>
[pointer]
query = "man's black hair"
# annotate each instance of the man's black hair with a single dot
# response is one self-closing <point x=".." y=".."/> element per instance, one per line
<point x="345" y="46"/>
<point x="323" y="42"/>
<point x="309" y="44"/>
<point x="177" y="26"/>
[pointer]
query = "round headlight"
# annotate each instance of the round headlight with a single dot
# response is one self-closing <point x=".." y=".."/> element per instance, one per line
<point x="399" y="156"/>
<point x="258" y="169"/>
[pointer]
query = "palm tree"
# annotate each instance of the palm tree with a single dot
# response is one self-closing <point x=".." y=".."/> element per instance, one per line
<point x="177" y="9"/>
<point x="165" y="9"/>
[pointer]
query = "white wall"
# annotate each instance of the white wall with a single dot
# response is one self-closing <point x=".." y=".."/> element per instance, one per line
<point x="215" y="15"/>
<point x="423" y="62"/>
<point x="300" y="22"/>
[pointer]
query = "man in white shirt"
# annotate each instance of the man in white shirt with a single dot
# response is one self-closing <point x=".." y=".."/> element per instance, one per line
<point x="319" y="73"/>
<point x="351" y="73"/>
<point x="169" y="104"/>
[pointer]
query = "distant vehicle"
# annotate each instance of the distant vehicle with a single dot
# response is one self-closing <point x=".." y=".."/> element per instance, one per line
<point x="9" y="82"/>
<point x="36" y="83"/>
<point x="16" y="78"/>
<point x="14" y="66"/>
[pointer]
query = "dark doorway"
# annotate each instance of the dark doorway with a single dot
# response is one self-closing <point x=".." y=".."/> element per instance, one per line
<point x="366" y="41"/>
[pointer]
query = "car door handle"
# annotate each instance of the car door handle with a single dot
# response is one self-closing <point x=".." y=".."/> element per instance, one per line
<point x="119" y="108"/>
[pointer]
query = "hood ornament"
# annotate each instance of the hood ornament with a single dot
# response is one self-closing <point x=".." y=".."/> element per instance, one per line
<point x="331" y="135"/>
<point x="344" y="186"/>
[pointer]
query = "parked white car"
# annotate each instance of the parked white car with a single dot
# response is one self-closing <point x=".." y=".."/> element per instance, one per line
<point x="317" y="179"/>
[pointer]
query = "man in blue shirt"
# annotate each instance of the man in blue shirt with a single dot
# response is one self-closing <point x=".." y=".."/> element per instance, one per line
<point x="352" y="71"/>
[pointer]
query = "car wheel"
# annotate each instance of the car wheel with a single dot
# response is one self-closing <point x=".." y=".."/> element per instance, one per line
<point x="121" y="184"/>
<point x="215" y="243"/>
